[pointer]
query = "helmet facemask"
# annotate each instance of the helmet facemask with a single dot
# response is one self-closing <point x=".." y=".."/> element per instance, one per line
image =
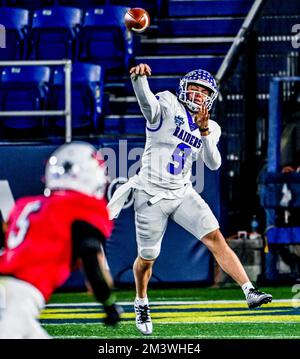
<point x="193" y="104"/>
<point x="200" y="78"/>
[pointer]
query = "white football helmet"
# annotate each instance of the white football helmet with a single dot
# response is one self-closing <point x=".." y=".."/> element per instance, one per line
<point x="77" y="166"/>
<point x="197" y="77"/>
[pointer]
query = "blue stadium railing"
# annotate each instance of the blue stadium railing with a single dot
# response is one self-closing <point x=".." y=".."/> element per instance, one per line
<point x="39" y="76"/>
<point x="272" y="181"/>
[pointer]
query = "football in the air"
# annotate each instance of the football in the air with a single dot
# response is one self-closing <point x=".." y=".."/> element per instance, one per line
<point x="137" y="19"/>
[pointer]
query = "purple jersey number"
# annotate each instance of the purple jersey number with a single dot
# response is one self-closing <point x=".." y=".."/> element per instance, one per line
<point x="179" y="156"/>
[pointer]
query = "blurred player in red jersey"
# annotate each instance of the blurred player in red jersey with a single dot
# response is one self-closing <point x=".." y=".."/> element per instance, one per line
<point x="47" y="234"/>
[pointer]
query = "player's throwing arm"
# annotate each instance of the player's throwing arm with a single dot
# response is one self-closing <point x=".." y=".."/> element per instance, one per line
<point x="141" y="69"/>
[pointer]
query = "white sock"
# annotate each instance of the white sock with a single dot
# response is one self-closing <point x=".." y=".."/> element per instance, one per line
<point x="142" y="301"/>
<point x="246" y="287"/>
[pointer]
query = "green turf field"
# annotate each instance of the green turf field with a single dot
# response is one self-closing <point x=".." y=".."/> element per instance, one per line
<point x="179" y="313"/>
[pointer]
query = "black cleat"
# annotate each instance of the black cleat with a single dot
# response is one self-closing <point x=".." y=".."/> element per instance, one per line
<point x="113" y="314"/>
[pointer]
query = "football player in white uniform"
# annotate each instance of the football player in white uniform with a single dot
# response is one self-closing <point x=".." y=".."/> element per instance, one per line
<point x="178" y="131"/>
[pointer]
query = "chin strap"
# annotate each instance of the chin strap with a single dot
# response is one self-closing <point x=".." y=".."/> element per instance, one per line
<point x="192" y="106"/>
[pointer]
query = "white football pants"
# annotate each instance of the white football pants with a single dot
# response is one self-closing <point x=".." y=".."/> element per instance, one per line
<point x="20" y="306"/>
<point x="191" y="212"/>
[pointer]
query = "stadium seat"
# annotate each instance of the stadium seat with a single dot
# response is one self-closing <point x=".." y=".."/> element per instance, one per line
<point x="124" y="124"/>
<point x="23" y="88"/>
<point x="180" y="64"/>
<point x="150" y="5"/>
<point x="283" y="25"/>
<point x="208" y="7"/>
<point x="201" y="27"/>
<point x="288" y="8"/>
<point x="160" y="83"/>
<point x="87" y="95"/>
<point x="179" y="46"/>
<point x="104" y="38"/>
<point x="269" y="63"/>
<point x="29" y="4"/>
<point x="82" y="4"/>
<point x="54" y="33"/>
<point x="16" y="23"/>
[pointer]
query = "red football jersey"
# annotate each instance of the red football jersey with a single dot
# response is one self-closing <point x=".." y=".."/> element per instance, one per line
<point x="38" y="243"/>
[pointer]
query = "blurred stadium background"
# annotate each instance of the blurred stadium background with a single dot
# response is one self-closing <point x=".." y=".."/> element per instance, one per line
<point x="252" y="47"/>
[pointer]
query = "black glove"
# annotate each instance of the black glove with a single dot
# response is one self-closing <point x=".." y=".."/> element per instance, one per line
<point x="113" y="312"/>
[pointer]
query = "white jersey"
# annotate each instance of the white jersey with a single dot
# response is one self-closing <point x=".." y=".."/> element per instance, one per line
<point x="173" y="140"/>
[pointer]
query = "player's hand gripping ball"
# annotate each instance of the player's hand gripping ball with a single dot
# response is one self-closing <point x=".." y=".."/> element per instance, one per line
<point x="137" y="19"/>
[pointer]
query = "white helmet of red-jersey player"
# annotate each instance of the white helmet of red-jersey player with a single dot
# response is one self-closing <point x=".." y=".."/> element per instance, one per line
<point x="77" y="166"/>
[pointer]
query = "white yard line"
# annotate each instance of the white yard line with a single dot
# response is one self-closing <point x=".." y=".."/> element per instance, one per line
<point x="169" y="323"/>
<point x="184" y="337"/>
<point x="181" y="302"/>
